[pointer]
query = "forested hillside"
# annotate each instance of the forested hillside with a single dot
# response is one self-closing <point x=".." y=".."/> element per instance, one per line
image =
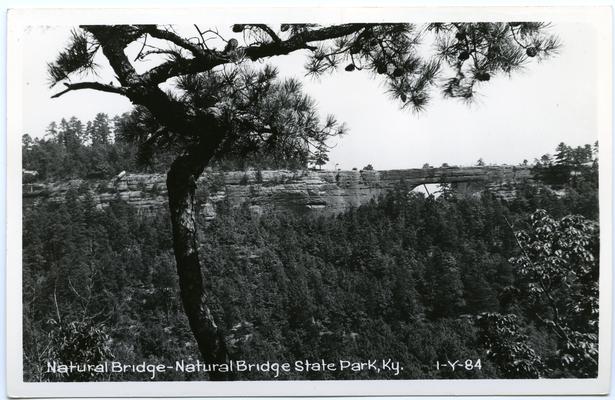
<point x="415" y="278"/>
<point x="105" y="146"/>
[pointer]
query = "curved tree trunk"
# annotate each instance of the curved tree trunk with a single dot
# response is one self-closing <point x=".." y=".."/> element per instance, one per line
<point x="181" y="184"/>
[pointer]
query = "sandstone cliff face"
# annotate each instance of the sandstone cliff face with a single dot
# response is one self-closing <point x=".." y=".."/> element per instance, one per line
<point x="328" y="192"/>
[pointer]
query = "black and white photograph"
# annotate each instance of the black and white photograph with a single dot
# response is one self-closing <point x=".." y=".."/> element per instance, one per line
<point x="303" y="196"/>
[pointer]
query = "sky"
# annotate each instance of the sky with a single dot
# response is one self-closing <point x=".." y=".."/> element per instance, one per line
<point x="512" y="119"/>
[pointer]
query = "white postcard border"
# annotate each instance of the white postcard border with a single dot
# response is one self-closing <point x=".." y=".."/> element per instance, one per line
<point x="19" y="18"/>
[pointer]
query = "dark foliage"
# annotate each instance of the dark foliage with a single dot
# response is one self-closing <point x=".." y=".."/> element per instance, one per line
<point x="571" y="167"/>
<point x="418" y="279"/>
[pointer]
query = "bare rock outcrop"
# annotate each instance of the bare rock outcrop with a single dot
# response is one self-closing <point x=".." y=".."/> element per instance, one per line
<point x="328" y="192"/>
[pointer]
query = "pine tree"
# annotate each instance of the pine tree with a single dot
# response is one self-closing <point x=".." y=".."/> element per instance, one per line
<point x="101" y="131"/>
<point x="242" y="109"/>
<point x="51" y="132"/>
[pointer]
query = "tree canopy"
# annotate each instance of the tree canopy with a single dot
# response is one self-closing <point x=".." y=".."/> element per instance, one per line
<point x="218" y="98"/>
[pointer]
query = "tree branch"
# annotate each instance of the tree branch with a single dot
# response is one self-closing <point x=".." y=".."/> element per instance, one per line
<point x="113" y="40"/>
<point x="90" y="85"/>
<point x="173" y="38"/>
<point x="269" y="32"/>
<point x="213" y="58"/>
<point x="301" y="40"/>
<point x="142" y="47"/>
<point x="160" y="51"/>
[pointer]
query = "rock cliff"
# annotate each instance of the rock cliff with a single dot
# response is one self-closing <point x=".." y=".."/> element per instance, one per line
<point x="300" y="191"/>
